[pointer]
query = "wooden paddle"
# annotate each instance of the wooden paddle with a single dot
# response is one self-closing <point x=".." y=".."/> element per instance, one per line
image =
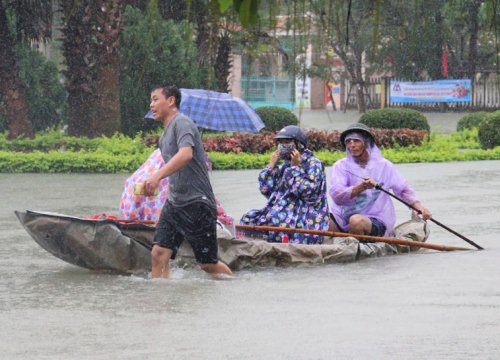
<point x="362" y="238"/>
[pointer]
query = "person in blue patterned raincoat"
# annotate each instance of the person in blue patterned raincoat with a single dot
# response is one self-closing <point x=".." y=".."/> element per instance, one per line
<point x="295" y="191"/>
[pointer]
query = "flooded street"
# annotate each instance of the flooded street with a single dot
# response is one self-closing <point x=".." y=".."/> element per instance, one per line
<point x="426" y="305"/>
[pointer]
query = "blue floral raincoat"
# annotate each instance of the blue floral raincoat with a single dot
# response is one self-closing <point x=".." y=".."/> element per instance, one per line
<point x="296" y="199"/>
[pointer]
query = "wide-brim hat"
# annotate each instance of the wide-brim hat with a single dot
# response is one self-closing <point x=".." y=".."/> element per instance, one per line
<point x="357" y="127"/>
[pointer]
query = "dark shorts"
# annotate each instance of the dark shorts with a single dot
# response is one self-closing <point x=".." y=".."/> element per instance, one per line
<point x="196" y="222"/>
<point x="378" y="227"/>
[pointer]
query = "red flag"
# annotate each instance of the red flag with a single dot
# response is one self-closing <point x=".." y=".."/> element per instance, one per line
<point x="445" y="62"/>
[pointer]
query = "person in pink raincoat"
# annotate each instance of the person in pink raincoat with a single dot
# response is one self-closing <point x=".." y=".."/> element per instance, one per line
<point x="357" y="206"/>
<point x="142" y="207"/>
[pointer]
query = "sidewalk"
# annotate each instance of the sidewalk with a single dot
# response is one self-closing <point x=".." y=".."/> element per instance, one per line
<point x="444" y="123"/>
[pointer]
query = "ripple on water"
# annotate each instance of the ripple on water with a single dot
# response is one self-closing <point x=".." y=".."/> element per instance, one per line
<point x="419" y="306"/>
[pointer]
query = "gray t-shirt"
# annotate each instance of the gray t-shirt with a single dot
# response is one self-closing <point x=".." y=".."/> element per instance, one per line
<point x="191" y="183"/>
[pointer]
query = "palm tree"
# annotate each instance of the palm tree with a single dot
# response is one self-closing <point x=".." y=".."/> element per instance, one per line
<point x="108" y="17"/>
<point x="21" y="22"/>
<point x="91" y="45"/>
<point x="214" y="40"/>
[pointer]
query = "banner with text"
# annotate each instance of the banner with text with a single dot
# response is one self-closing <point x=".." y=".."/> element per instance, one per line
<point x="430" y="91"/>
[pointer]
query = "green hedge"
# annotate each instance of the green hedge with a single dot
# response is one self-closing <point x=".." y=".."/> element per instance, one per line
<point x="122" y="155"/>
<point x="390" y="118"/>
<point x="463" y="146"/>
<point x="471" y="120"/>
<point x="276" y="118"/>
<point x="57" y="141"/>
<point x="489" y="131"/>
<point x="69" y="162"/>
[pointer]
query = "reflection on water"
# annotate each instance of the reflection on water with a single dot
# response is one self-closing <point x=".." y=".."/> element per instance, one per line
<point x="419" y="306"/>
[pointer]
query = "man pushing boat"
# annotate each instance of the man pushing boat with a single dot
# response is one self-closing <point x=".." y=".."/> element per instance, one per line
<point x="190" y="211"/>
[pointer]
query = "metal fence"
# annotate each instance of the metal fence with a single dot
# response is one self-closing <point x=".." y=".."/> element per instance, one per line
<point x="486" y="93"/>
<point x="268" y="91"/>
<point x="485" y="96"/>
<point x="280" y="91"/>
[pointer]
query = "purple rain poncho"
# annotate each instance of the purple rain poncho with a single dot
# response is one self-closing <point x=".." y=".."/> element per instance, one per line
<point x="296" y="199"/>
<point x="371" y="202"/>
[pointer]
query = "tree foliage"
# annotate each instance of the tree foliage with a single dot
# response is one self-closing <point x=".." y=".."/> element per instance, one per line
<point x="405" y="39"/>
<point x="154" y="51"/>
<point x="45" y="93"/>
<point x="21" y="22"/>
<point x="247" y="9"/>
<point x="347" y="27"/>
<point x="412" y="39"/>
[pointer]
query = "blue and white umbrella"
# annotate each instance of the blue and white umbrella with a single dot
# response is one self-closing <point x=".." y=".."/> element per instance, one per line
<point x="218" y="111"/>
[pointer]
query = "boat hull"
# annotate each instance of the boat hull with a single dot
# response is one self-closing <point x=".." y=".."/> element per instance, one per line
<point x="106" y="245"/>
<point x="95" y="245"/>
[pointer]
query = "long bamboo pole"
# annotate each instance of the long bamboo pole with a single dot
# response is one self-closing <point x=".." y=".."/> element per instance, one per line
<point x="135" y="221"/>
<point x="379" y="187"/>
<point x="363" y="238"/>
<point x="431" y="219"/>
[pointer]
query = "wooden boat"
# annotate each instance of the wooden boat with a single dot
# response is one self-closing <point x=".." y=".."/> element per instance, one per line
<point x="108" y="245"/>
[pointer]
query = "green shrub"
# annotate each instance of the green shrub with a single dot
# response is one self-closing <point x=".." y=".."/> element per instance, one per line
<point x="276" y="118"/>
<point x="460" y="146"/>
<point x="229" y="161"/>
<point x="489" y="131"/>
<point x="45" y="95"/>
<point x="236" y="142"/>
<point x="69" y="162"/>
<point x="471" y="120"/>
<point x="57" y="141"/>
<point x="3" y="125"/>
<point x="395" y="119"/>
<point x="466" y="139"/>
<point x="153" y="51"/>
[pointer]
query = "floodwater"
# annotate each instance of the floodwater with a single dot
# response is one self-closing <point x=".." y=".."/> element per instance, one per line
<point x="426" y="305"/>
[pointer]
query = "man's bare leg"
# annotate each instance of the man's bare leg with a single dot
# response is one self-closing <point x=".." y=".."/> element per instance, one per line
<point x="160" y="258"/>
<point x="217" y="269"/>
<point x="360" y="224"/>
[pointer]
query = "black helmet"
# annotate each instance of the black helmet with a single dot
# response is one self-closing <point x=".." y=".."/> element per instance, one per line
<point x="292" y="132"/>
<point x="358" y="127"/>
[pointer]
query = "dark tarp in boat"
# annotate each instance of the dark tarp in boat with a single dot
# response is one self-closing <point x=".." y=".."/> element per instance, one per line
<point x="125" y="248"/>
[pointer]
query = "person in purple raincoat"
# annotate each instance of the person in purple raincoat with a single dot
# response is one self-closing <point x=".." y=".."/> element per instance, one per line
<point x="295" y="191"/>
<point x="357" y="206"/>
